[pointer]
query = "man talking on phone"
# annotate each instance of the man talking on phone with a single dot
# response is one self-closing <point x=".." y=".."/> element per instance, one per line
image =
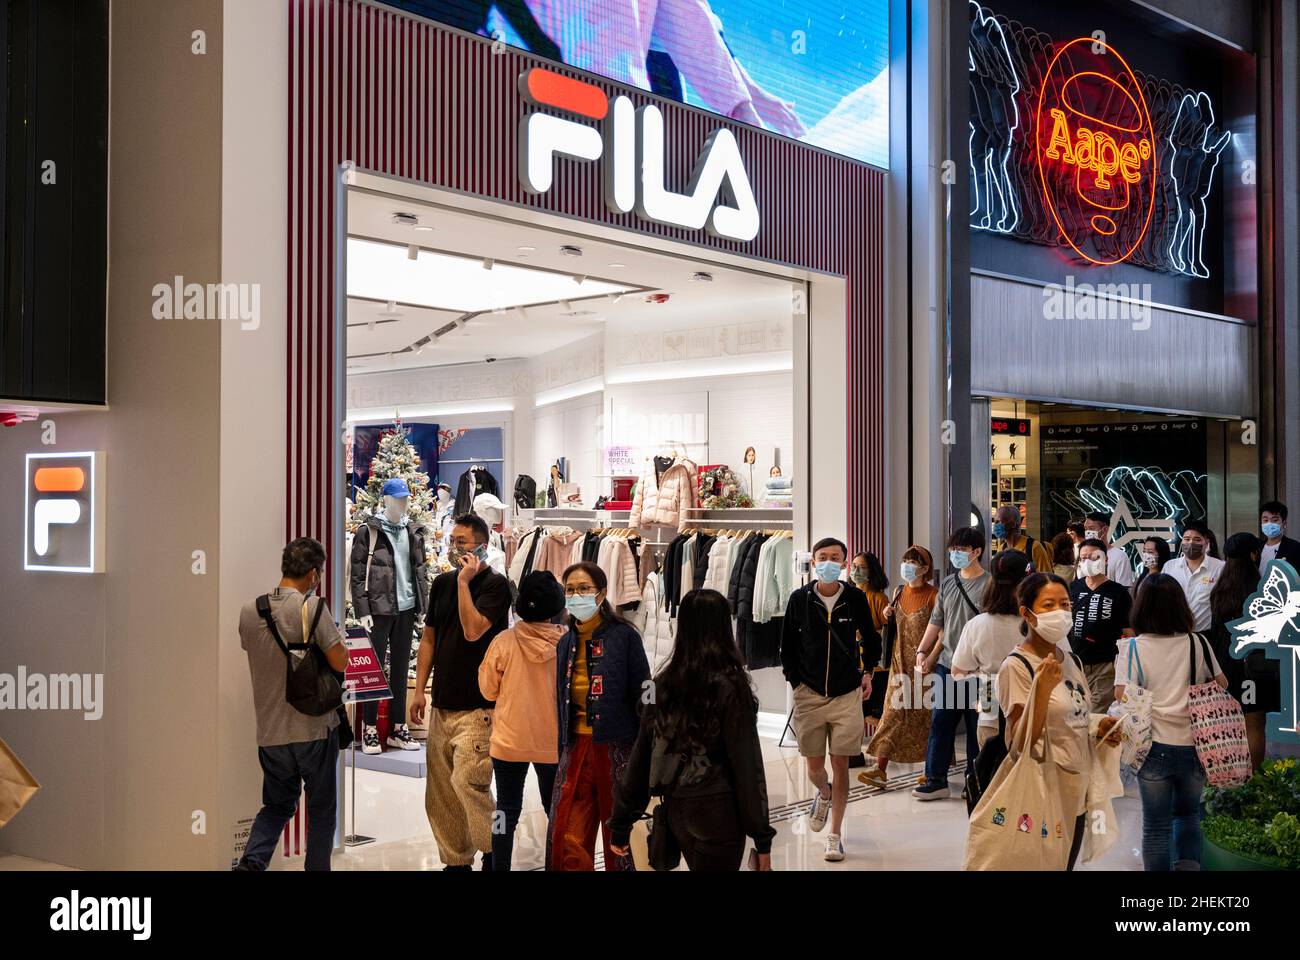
<point x="468" y="606"/>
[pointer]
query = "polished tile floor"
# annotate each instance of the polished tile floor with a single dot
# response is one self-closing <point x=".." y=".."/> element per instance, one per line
<point x="886" y="830"/>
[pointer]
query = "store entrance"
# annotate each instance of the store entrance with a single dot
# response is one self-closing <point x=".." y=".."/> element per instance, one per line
<point x="1151" y="473"/>
<point x="553" y="383"/>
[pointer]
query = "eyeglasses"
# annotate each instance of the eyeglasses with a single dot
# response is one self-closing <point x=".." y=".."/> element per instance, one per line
<point x="583" y="591"/>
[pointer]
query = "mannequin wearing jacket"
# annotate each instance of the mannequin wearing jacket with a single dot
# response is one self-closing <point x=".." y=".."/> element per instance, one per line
<point x="390" y="590"/>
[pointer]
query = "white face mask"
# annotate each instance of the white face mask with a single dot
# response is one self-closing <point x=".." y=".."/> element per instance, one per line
<point x="1092" y="568"/>
<point x="1054" y="625"/>
<point x="1150" y="560"/>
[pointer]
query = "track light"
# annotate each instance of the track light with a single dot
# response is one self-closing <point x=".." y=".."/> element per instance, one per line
<point x="413" y="252"/>
<point x="568" y="307"/>
<point x="578" y="279"/>
<point x="523" y="312"/>
<point x="488" y="263"/>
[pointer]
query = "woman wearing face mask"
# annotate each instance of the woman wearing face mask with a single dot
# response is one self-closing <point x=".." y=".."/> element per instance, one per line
<point x="1238" y="580"/>
<point x="602" y="672"/>
<point x="1064" y="556"/>
<point x="1061" y="706"/>
<point x="869" y="576"/>
<point x="904" y="728"/>
<point x="1154" y="553"/>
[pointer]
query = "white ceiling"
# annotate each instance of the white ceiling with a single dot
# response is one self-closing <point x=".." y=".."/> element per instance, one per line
<point x="386" y="320"/>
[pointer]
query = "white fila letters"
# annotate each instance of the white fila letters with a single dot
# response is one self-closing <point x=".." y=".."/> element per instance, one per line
<point x="718" y="198"/>
<point x="63" y="513"/>
<point x="47" y="513"/>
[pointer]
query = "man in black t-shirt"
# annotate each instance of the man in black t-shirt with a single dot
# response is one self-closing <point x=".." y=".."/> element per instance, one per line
<point x="468" y="606"/>
<point x="1101" y="616"/>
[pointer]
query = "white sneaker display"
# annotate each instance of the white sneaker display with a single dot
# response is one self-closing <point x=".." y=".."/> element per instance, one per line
<point x="834" y="848"/>
<point x="370" y="740"/>
<point x="820" y="810"/>
<point x="401" y="738"/>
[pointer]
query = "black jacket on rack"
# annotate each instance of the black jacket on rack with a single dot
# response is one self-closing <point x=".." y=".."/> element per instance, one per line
<point x="474" y="481"/>
<point x="703" y="545"/>
<point x="672" y="578"/>
<point x="754" y="544"/>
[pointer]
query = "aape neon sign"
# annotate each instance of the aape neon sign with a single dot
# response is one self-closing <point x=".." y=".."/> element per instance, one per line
<point x="1098" y="125"/>
<point x="719" y="197"/>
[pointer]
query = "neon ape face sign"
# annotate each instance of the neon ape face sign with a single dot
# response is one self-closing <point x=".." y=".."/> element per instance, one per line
<point x="630" y="140"/>
<point x="1096" y="151"/>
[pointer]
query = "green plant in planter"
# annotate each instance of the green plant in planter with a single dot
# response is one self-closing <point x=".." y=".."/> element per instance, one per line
<point x="1261" y="818"/>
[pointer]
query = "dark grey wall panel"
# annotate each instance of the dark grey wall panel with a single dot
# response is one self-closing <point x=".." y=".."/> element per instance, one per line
<point x="1181" y="362"/>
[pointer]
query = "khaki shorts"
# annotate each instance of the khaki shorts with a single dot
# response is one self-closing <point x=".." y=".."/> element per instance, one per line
<point x="1101" y="683"/>
<point x="827" y="722"/>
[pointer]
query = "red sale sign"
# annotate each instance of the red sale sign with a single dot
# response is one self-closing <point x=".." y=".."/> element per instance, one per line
<point x="364" y="677"/>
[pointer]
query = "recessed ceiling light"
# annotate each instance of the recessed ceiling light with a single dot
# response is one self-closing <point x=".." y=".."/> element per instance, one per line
<point x="488" y="263"/>
<point x="405" y="219"/>
<point x="525" y="249"/>
<point x="424" y="229"/>
<point x="617" y="266"/>
<point x="569" y="250"/>
<point x="701" y="277"/>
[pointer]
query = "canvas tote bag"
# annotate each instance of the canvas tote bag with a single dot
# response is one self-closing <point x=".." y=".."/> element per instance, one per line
<point x="1020" y="823"/>
<point x="1136" y="706"/>
<point x="16" y="785"/>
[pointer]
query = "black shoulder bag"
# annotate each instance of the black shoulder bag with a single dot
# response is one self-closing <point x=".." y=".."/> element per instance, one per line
<point x="980" y="773"/>
<point x="662" y="848"/>
<point x="310" y="686"/>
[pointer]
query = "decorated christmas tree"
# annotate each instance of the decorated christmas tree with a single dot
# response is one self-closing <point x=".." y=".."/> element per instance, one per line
<point x="396" y="457"/>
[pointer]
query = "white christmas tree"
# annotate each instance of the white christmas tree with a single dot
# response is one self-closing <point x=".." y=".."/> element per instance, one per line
<point x="396" y="457"/>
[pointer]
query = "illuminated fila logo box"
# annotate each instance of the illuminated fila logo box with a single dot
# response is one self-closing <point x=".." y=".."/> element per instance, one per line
<point x="63" y="513"/>
<point x="630" y="140"/>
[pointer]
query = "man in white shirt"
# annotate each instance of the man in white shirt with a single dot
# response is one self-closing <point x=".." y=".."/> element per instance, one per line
<point x="1196" y="571"/>
<point x="1118" y="568"/>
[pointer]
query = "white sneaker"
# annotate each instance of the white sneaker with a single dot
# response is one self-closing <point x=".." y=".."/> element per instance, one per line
<point x="370" y="740"/>
<point x="818" y="812"/>
<point x="401" y="738"/>
<point x="834" y="848"/>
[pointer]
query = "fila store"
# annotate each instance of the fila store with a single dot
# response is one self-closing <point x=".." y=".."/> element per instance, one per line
<point x="613" y="325"/>
<point x="1115" y="284"/>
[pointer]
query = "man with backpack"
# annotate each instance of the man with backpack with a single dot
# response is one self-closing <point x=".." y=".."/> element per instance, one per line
<point x="295" y="698"/>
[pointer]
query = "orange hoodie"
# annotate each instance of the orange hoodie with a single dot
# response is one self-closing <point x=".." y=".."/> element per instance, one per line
<point x="518" y="672"/>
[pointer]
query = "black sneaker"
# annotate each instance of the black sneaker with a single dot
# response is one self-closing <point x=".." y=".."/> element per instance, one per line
<point x="370" y="740"/>
<point x="401" y="738"/>
<point x="486" y="862"/>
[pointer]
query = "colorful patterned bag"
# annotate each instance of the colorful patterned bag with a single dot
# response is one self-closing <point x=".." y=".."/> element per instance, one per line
<point x="1135" y="705"/>
<point x="1218" y="726"/>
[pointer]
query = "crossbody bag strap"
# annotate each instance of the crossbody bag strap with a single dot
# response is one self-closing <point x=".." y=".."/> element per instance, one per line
<point x="965" y="596"/>
<point x="1002" y="714"/>
<point x="1191" y="648"/>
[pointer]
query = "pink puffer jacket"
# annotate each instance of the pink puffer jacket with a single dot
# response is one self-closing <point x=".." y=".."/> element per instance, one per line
<point x="662" y="500"/>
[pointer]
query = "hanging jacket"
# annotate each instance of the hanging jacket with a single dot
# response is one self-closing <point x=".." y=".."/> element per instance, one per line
<point x="774" y="579"/>
<point x="618" y="669"/>
<point x="379" y="597"/>
<point x="826" y="650"/>
<point x="749" y="545"/>
<point x="615" y="559"/>
<point x="746" y="584"/>
<point x="662" y="499"/>
<point x="700" y="560"/>
<point x="655" y="626"/>
<point x="556" y="551"/>
<point x="525" y="558"/>
<point x="474" y="481"/>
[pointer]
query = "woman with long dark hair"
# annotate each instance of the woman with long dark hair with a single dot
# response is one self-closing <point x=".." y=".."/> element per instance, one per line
<point x="602" y="674"/>
<point x="1154" y="553"/>
<point x="698" y="748"/>
<point x="1238" y="579"/>
<point x="989" y="637"/>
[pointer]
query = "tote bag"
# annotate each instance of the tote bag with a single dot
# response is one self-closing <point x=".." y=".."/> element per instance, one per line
<point x="17" y="786"/>
<point x="1135" y="705"/>
<point x="1020" y="822"/>
<point x="1218" y="726"/>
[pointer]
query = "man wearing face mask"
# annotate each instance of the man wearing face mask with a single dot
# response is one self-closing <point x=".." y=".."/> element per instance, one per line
<point x="468" y="606"/>
<point x="1100" y="607"/>
<point x="829" y="645"/>
<point x="1197" y="572"/>
<point x="1007" y="535"/>
<point x="296" y="750"/>
<point x="1118" y="567"/>
<point x="1277" y="545"/>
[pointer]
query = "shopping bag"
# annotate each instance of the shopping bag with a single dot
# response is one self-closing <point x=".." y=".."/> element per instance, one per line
<point x="1218" y="727"/>
<point x="1135" y="708"/>
<point x="1020" y="823"/>
<point x="16" y="785"/>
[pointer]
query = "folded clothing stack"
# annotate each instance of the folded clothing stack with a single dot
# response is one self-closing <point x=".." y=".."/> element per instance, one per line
<point x="778" y="491"/>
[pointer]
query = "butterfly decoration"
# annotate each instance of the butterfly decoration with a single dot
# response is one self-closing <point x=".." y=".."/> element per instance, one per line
<point x="1270" y="611"/>
<point x="1271" y="623"/>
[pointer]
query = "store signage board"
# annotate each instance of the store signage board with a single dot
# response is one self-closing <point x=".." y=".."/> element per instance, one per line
<point x="630" y="142"/>
<point x="1272" y="624"/>
<point x="1009" y="426"/>
<point x="63" y="513"/>
<point x="363" y="679"/>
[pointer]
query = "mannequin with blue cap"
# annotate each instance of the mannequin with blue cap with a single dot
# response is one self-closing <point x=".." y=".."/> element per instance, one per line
<point x="390" y="592"/>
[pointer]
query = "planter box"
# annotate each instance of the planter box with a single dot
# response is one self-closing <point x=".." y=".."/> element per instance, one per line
<point x="1215" y="857"/>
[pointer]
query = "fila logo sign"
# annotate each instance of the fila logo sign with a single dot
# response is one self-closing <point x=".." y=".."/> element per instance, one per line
<point x="630" y="142"/>
<point x="62" y="514"/>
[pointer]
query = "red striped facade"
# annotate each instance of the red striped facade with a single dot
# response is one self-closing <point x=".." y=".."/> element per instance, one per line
<point x="405" y="97"/>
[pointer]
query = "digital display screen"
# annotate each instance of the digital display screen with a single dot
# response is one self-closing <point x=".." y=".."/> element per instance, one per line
<point x="816" y="72"/>
<point x="1002" y="426"/>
